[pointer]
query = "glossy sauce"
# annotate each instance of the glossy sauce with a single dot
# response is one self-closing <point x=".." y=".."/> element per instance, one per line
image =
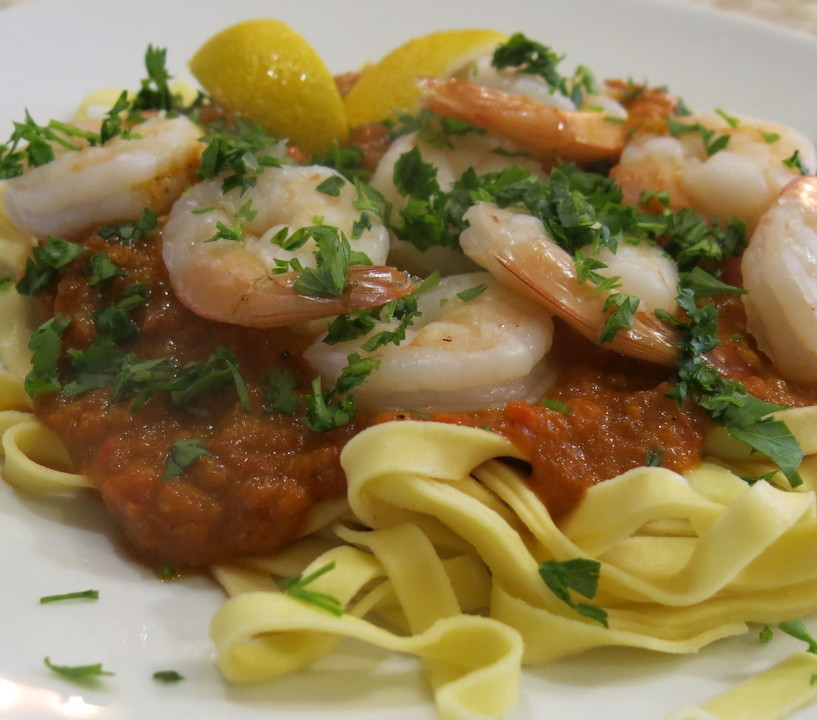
<point x="255" y="489"/>
<point x="263" y="473"/>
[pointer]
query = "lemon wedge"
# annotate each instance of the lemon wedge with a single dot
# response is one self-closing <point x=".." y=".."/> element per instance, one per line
<point x="390" y="84"/>
<point x="267" y="73"/>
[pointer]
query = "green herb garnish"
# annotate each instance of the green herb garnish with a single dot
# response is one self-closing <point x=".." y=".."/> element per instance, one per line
<point x="182" y="455"/>
<point x="581" y="575"/>
<point x="78" y="672"/>
<point x="297" y="588"/>
<point x="81" y="595"/>
<point x="167" y="676"/>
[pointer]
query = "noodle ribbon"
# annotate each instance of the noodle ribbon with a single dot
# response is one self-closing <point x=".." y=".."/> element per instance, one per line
<point x="683" y="562"/>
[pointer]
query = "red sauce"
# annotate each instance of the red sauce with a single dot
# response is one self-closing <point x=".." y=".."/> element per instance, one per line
<point x="615" y="415"/>
<point x="254" y="490"/>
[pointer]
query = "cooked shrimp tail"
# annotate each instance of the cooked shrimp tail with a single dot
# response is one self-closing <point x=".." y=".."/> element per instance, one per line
<point x="515" y="249"/>
<point x="237" y="281"/>
<point x="239" y="290"/>
<point x="548" y="131"/>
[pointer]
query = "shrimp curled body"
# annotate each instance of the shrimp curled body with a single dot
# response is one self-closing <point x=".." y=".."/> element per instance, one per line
<point x="780" y="274"/>
<point x="741" y="180"/>
<point x="516" y="250"/>
<point x="107" y="183"/>
<point x="549" y="131"/>
<point x="461" y="354"/>
<point x="231" y="280"/>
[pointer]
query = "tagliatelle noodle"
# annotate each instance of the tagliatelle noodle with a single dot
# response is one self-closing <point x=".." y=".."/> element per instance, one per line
<point x="773" y="694"/>
<point x="415" y="485"/>
<point x="17" y="314"/>
<point x="34" y="458"/>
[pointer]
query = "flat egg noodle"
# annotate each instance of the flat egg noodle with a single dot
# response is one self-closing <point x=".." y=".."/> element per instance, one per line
<point x="773" y="694"/>
<point x="674" y="593"/>
<point x="799" y="420"/>
<point x="34" y="458"/>
<point x="18" y="316"/>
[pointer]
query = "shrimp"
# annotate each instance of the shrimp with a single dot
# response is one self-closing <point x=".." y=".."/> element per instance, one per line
<point x="780" y="274"/>
<point x="233" y="280"/>
<point x="516" y="250"/>
<point x="549" y="131"/>
<point x="108" y="183"/>
<point x="482" y="153"/>
<point x="459" y="355"/>
<point x="741" y="180"/>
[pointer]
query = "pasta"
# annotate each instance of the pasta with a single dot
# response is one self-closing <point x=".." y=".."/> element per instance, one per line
<point x="443" y="544"/>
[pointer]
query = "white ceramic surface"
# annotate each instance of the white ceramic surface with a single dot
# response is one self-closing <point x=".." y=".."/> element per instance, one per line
<point x="54" y="51"/>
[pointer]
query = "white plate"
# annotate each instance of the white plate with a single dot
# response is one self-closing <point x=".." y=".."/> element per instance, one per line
<point x="52" y="53"/>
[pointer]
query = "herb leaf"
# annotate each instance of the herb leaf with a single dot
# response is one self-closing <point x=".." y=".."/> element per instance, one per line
<point x="182" y="455"/>
<point x="797" y="629"/>
<point x="81" y="595"/>
<point x="45" y="342"/>
<point x="581" y="575"/>
<point x="77" y="672"/>
<point x="744" y="416"/>
<point x="297" y="588"/>
<point x="167" y="676"/>
<point x="45" y="260"/>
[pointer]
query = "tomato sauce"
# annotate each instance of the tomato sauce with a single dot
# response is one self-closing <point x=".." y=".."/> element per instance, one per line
<point x="256" y="487"/>
<point x="263" y="473"/>
<point x="609" y="414"/>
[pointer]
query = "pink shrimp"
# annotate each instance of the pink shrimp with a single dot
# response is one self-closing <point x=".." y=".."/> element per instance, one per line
<point x="550" y="132"/>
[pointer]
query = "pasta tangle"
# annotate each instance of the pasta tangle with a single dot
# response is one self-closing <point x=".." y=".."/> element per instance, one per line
<point x="684" y="561"/>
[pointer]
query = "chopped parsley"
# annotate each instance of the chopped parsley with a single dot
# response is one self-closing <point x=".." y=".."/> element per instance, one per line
<point x="80" y="595"/>
<point x="198" y="378"/>
<point x="33" y="144"/>
<point x="532" y="58"/>
<point x="620" y="308"/>
<point x="101" y="270"/>
<point x="333" y="256"/>
<point x="797" y="629"/>
<point x="331" y="186"/>
<point x="298" y="588"/>
<point x="131" y="231"/>
<point x="238" y="155"/>
<point x="559" y="407"/>
<point x="728" y="402"/>
<point x="713" y="142"/>
<point x="654" y="457"/>
<point x="45" y="344"/>
<point x="795" y="161"/>
<point x="168" y="676"/>
<point x="78" y="672"/>
<point x="54" y="254"/>
<point x="346" y="160"/>
<point x="182" y="455"/>
<point x="155" y="92"/>
<point x="472" y="293"/>
<point x="581" y="575"/>
<point x="280" y="392"/>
